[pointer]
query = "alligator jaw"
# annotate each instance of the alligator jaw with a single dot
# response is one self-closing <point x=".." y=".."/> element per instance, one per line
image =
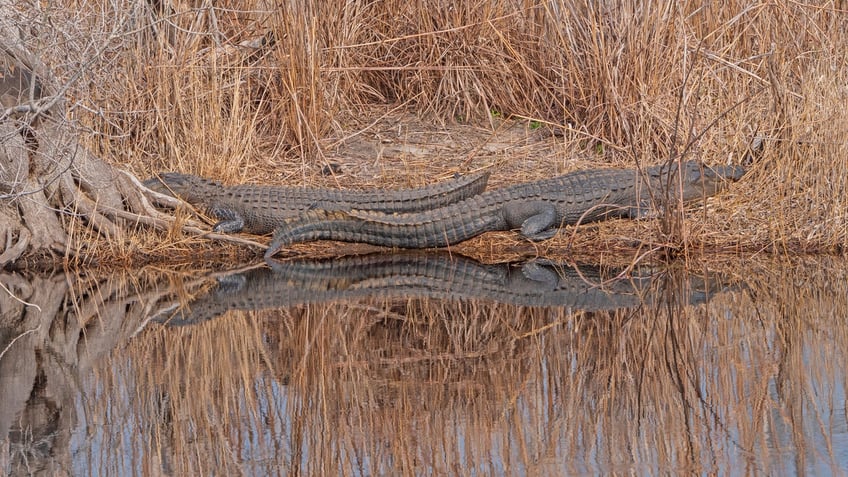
<point x="706" y="181"/>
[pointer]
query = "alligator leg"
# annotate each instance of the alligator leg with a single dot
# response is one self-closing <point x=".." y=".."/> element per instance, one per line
<point x="542" y="273"/>
<point x="231" y="221"/>
<point x="537" y="220"/>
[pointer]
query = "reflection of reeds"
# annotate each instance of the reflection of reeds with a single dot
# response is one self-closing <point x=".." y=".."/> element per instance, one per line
<point x="749" y="380"/>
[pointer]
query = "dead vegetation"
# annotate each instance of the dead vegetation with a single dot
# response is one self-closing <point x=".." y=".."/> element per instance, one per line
<point x="402" y="93"/>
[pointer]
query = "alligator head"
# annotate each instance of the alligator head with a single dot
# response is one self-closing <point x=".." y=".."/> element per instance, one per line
<point x="190" y="188"/>
<point x="698" y="180"/>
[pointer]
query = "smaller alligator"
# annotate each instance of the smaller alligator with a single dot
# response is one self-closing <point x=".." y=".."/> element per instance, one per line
<point x="538" y="208"/>
<point x="260" y="209"/>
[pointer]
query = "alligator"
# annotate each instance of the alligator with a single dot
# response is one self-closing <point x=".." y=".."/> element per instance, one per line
<point x="259" y="209"/>
<point x="438" y="275"/>
<point x="538" y="208"/>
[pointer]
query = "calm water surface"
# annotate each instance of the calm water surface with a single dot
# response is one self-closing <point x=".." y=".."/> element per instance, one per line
<point x="428" y="364"/>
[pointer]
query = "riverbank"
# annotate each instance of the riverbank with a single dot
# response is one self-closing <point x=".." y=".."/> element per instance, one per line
<point x="412" y="152"/>
<point x="392" y="95"/>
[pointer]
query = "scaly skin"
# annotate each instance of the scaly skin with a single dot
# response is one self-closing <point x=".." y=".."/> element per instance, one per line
<point x="260" y="209"/>
<point x="538" y="208"/>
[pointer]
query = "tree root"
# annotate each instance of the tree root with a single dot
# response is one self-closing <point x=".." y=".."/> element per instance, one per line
<point x="34" y="225"/>
<point x="54" y="175"/>
<point x="16" y="239"/>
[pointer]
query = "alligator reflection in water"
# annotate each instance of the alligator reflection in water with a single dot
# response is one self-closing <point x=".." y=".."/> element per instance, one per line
<point x="535" y="283"/>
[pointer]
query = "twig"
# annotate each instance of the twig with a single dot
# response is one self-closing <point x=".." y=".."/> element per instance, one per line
<point x="18" y="299"/>
<point x="16" y="338"/>
<point x="165" y="223"/>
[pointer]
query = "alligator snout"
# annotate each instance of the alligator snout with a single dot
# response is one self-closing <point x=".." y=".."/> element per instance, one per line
<point x="704" y="181"/>
<point x="724" y="173"/>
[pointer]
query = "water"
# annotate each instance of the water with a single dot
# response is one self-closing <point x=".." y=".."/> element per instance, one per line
<point x="429" y="365"/>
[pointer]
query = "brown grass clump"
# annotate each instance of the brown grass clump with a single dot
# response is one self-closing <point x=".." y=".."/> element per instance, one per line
<point x="399" y="93"/>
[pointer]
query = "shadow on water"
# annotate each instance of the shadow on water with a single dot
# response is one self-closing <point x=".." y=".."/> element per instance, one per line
<point x="427" y="363"/>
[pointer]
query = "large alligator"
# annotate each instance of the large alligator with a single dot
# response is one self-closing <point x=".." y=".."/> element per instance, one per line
<point x="538" y="208"/>
<point x="536" y="283"/>
<point x="260" y="209"/>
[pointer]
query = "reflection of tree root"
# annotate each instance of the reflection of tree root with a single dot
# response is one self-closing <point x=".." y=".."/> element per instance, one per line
<point x="53" y="330"/>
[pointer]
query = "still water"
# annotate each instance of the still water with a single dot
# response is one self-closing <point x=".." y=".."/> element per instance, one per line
<point x="428" y="364"/>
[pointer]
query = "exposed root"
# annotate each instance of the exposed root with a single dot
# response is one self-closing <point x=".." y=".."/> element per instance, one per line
<point x="37" y="226"/>
<point x="16" y="239"/>
<point x="40" y="218"/>
<point x="84" y="207"/>
<point x="136" y="196"/>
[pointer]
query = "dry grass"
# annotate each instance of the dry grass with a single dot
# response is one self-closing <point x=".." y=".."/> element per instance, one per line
<point x="400" y="93"/>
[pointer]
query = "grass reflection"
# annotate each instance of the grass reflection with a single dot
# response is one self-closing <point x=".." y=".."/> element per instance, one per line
<point x="750" y="381"/>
